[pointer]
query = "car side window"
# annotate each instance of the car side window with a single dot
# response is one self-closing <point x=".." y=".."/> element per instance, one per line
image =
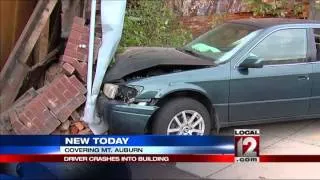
<point x="287" y="46"/>
<point x="317" y="41"/>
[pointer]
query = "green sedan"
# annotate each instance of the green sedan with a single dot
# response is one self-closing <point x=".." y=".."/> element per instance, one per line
<point x="242" y="72"/>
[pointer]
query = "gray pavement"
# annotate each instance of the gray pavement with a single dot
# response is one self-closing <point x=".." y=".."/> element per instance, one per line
<point x="299" y="137"/>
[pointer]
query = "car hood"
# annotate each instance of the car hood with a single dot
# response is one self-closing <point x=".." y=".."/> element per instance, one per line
<point x="139" y="59"/>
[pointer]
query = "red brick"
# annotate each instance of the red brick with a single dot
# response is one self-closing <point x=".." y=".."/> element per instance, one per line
<point x="52" y="103"/>
<point x="78" y="41"/>
<point x="68" y="69"/>
<point x="75" y="35"/>
<point x="83" y="51"/>
<point x="67" y="59"/>
<point x="57" y="92"/>
<point x="80" y="28"/>
<point x="78" y="55"/>
<point x="81" y="67"/>
<point x="71" y="54"/>
<point x="71" y="106"/>
<point x="60" y="84"/>
<point x="35" y="118"/>
<point x="67" y="94"/>
<point x="76" y="83"/>
<point x="83" y="71"/>
<point x="79" y="20"/>
<point x="63" y="96"/>
<point x="16" y="123"/>
<point x="81" y="56"/>
<point x="85" y="37"/>
<point x="72" y="46"/>
<point x="74" y="130"/>
<point x="51" y="96"/>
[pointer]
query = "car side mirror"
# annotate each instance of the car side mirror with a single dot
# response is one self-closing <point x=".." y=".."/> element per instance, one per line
<point x="251" y="62"/>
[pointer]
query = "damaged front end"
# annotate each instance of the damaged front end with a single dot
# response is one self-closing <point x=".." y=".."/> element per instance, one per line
<point x="122" y="111"/>
<point x="131" y="88"/>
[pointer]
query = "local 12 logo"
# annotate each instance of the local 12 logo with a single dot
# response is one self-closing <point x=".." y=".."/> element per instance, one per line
<point x="247" y="145"/>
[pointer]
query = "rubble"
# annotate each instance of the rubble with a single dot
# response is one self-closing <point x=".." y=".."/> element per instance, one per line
<point x="16" y="68"/>
<point x="53" y="109"/>
<point x="79" y="125"/>
<point x="52" y="106"/>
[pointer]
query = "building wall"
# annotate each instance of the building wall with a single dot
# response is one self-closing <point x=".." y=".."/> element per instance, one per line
<point x="14" y="15"/>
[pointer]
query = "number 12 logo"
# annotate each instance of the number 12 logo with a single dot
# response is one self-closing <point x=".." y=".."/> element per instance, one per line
<point x="247" y="143"/>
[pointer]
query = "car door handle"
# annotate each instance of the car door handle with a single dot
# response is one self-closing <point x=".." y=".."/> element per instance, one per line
<point x="303" y="78"/>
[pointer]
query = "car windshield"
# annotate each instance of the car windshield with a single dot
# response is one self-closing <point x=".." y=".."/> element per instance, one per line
<point x="222" y="42"/>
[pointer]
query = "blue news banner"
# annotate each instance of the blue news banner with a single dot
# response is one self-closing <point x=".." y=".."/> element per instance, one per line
<point x="105" y="148"/>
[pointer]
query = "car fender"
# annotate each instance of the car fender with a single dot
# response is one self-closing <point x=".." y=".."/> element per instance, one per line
<point x="182" y="87"/>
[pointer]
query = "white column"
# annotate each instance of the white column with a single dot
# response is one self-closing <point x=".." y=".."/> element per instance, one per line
<point x="112" y="19"/>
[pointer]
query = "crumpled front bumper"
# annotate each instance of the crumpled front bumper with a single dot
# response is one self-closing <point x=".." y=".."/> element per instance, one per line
<point x="124" y="118"/>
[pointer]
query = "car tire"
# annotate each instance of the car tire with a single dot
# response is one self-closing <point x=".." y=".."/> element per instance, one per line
<point x="177" y="108"/>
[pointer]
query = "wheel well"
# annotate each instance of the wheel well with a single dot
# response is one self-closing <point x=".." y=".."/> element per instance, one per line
<point x="187" y="94"/>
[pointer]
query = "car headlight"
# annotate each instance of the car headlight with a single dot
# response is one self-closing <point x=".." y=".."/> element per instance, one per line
<point x="110" y="90"/>
<point x="121" y="92"/>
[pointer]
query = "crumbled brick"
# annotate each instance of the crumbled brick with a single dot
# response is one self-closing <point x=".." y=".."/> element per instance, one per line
<point x="50" y="108"/>
<point x="74" y="130"/>
<point x="63" y="96"/>
<point x="79" y="125"/>
<point x="80" y="28"/>
<point x="68" y="69"/>
<point x="34" y="118"/>
<point x="76" y="51"/>
<point x="76" y="83"/>
<point x="81" y="67"/>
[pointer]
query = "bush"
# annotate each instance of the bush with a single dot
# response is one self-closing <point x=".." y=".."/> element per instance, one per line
<point x="151" y="23"/>
<point x="279" y="8"/>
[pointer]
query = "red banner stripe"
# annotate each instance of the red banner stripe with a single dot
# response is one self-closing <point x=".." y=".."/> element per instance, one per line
<point x="150" y="158"/>
<point x="289" y="158"/>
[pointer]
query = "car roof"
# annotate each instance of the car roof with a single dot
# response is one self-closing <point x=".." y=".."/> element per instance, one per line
<point x="263" y="23"/>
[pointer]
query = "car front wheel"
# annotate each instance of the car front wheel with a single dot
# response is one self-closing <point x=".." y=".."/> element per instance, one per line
<point x="182" y="116"/>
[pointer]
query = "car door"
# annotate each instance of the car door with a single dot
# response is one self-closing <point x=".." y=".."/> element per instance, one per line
<point x="281" y="88"/>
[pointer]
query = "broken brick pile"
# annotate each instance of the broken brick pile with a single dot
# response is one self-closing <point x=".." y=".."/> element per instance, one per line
<point x="54" y="107"/>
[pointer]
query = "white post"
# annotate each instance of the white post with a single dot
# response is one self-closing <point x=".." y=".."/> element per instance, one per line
<point x="112" y="19"/>
<point x="91" y="46"/>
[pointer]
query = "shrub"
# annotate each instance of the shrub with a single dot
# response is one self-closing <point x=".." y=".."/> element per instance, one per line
<point x="279" y="8"/>
<point x="151" y="23"/>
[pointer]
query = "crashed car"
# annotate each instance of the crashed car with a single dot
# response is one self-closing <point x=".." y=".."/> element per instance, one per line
<point x="242" y="72"/>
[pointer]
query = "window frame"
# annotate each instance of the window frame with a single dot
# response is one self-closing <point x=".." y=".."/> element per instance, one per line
<point x="284" y="59"/>
<point x="307" y="27"/>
